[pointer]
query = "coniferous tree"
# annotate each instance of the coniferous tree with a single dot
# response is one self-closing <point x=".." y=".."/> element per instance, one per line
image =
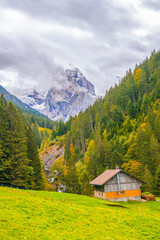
<point x="131" y="109"/>
<point x="36" y="177"/>
<point x="19" y="161"/>
<point x="155" y="154"/>
<point x="150" y="117"/>
<point x="145" y="104"/>
<point x="123" y="128"/>
<point x="53" y="134"/>
<point x="61" y="128"/>
<point x="156" y="126"/>
<point x="5" y="138"/>
<point x="148" y="178"/>
<point x="18" y="158"/>
<point x="71" y="178"/>
<point x="38" y="138"/>
<point x="157" y="182"/>
<point x="157" y="89"/>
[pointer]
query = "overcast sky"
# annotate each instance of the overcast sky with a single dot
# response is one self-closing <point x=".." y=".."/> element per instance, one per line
<point x="103" y="38"/>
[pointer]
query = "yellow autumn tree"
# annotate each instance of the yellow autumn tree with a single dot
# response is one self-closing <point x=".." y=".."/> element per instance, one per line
<point x="72" y="151"/>
<point x="137" y="76"/>
<point x="90" y="152"/>
<point x="133" y="167"/>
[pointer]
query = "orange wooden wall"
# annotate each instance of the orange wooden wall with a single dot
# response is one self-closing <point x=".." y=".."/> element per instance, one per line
<point x="127" y="193"/>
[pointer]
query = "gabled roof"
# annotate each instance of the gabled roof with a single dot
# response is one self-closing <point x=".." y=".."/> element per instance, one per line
<point x="104" y="177"/>
<point x="107" y="175"/>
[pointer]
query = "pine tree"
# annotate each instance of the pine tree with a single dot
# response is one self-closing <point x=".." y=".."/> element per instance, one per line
<point x="155" y="154"/>
<point x="150" y="118"/>
<point x="143" y="82"/>
<point x="142" y="147"/>
<point x="157" y="182"/>
<point x="148" y="178"/>
<point x="71" y="180"/>
<point x="61" y="128"/>
<point x="145" y="104"/>
<point x="53" y="134"/>
<point x="117" y="116"/>
<point x="5" y="139"/>
<point x="156" y="126"/>
<point x="18" y="158"/>
<point x="131" y="109"/>
<point x="35" y="162"/>
<point x="128" y="126"/>
<point x="157" y="90"/>
<point x="107" y="151"/>
<point x="38" y="138"/>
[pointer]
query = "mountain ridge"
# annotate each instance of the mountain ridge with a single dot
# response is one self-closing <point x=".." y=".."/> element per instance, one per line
<point x="74" y="94"/>
<point x="16" y="101"/>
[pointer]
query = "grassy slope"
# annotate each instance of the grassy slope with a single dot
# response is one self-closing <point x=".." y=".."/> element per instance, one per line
<point x="50" y="215"/>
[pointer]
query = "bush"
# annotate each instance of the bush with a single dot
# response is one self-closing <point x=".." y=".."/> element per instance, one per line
<point x="148" y="197"/>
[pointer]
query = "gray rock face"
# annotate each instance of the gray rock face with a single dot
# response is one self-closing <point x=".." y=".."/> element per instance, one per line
<point x="77" y="76"/>
<point x="61" y="102"/>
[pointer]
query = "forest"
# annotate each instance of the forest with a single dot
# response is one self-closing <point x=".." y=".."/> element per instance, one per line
<point x="20" y="164"/>
<point x="123" y="128"/>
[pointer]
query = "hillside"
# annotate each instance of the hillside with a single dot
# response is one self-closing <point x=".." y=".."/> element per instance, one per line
<point x="30" y="114"/>
<point x="121" y="128"/>
<point x="24" y="107"/>
<point x="49" y="215"/>
<point x="20" y="164"/>
<point x="15" y="100"/>
<point x="51" y="152"/>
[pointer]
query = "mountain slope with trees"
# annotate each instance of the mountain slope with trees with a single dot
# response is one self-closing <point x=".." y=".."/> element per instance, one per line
<point x="122" y="128"/>
<point x="20" y="164"/>
<point x="31" y="114"/>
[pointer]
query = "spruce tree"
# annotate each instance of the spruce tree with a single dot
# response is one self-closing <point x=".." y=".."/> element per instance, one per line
<point x="157" y="182"/>
<point x="157" y="90"/>
<point x="38" y="138"/>
<point x="18" y="158"/>
<point x="71" y="180"/>
<point x="155" y="154"/>
<point x="156" y="126"/>
<point x="131" y="109"/>
<point x="34" y="161"/>
<point x="148" y="178"/>
<point x="145" y="104"/>
<point x="5" y="139"/>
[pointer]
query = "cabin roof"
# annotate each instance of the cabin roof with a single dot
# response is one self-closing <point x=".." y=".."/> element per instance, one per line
<point x="107" y="175"/>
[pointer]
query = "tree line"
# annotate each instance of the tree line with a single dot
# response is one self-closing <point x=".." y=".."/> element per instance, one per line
<point x="19" y="161"/>
<point x="122" y="128"/>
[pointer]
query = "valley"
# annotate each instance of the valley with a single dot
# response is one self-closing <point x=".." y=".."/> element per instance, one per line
<point x="79" y="120"/>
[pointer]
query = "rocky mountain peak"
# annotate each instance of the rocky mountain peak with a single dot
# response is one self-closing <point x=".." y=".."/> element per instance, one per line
<point x="74" y="94"/>
<point x="76" y="76"/>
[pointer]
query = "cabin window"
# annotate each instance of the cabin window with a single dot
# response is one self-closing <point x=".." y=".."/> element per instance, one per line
<point x="99" y="193"/>
<point x="122" y="192"/>
<point x="102" y="194"/>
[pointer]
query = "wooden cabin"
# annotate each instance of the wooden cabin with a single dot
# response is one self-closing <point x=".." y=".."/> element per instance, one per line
<point x="117" y="185"/>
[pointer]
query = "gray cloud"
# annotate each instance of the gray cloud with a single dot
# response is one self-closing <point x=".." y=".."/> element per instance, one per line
<point x="29" y="60"/>
<point x="137" y="46"/>
<point x="96" y="36"/>
<point x="103" y="17"/>
<point x="152" y="4"/>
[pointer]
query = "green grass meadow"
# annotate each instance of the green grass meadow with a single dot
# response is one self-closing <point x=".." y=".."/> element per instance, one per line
<point x="50" y="215"/>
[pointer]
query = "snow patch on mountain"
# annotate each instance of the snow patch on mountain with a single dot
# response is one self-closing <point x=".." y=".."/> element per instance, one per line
<point x="72" y="93"/>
